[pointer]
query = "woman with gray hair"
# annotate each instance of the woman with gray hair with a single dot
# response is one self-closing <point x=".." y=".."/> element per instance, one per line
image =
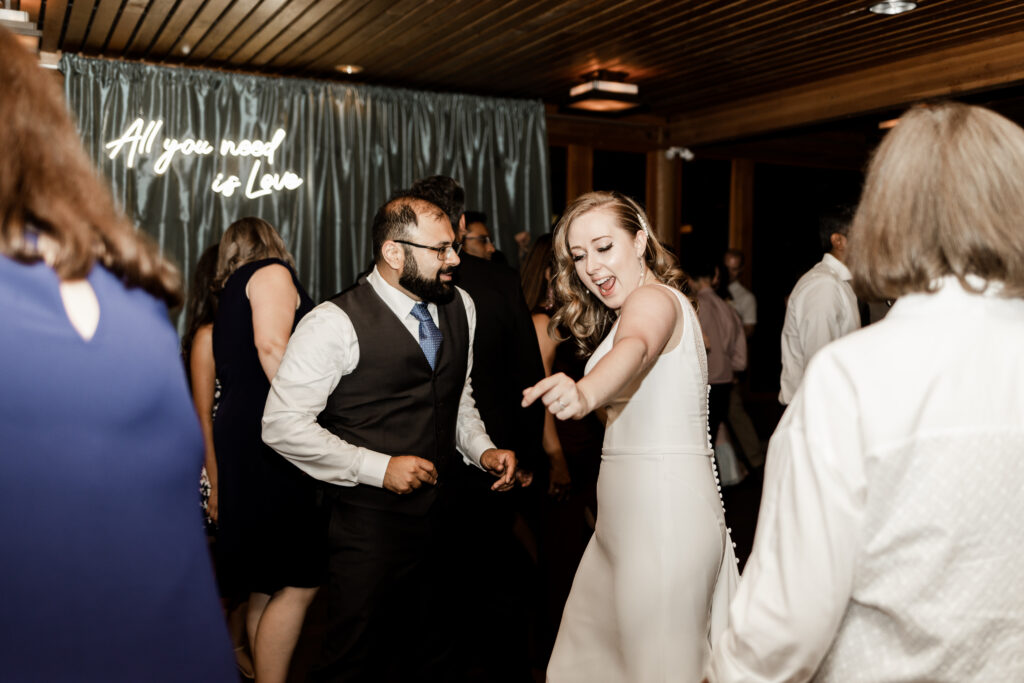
<point x="888" y="542"/>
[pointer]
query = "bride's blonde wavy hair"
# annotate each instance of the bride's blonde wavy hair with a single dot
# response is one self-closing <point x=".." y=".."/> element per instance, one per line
<point x="579" y="313"/>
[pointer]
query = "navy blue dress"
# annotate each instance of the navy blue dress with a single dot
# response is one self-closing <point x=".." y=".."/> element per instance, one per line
<point x="104" y="569"/>
<point x="270" y="533"/>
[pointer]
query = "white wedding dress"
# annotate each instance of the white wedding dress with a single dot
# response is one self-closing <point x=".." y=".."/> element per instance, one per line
<point x="654" y="585"/>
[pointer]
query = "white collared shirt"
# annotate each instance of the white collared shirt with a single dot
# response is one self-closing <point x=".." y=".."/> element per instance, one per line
<point x="744" y="301"/>
<point x="889" y="535"/>
<point x="821" y="309"/>
<point x="321" y="351"/>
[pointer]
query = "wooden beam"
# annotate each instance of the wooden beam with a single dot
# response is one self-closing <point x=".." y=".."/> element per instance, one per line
<point x="943" y="73"/>
<point x="53" y="23"/>
<point x="741" y="214"/>
<point x="663" y="177"/>
<point x="580" y="172"/>
<point x="636" y="134"/>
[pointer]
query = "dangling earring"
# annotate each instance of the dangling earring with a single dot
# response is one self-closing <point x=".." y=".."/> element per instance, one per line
<point x="642" y="271"/>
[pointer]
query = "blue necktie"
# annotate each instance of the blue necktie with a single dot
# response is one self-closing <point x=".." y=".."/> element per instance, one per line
<point x="430" y="336"/>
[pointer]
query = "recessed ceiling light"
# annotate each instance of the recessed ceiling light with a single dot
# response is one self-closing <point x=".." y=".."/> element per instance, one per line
<point x="348" y="68"/>
<point x="892" y="7"/>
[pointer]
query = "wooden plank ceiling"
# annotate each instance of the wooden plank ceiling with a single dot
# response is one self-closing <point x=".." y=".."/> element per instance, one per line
<point x="686" y="55"/>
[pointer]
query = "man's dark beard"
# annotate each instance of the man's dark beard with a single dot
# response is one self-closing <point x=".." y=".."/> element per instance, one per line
<point x="431" y="290"/>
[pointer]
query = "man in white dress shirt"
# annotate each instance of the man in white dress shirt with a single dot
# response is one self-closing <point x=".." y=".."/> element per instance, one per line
<point x="745" y="303"/>
<point x="743" y="300"/>
<point x="373" y="398"/>
<point x="821" y="308"/>
<point x="889" y="538"/>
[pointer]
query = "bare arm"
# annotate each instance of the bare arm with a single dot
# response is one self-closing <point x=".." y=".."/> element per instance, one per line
<point x="646" y="322"/>
<point x="559" y="477"/>
<point x="204" y="375"/>
<point x="274" y="299"/>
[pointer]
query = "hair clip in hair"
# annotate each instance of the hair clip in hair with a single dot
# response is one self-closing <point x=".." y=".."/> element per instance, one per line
<point x="643" y="224"/>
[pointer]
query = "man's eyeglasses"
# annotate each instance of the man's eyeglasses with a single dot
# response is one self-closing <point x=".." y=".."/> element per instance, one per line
<point x="484" y="239"/>
<point x="442" y="252"/>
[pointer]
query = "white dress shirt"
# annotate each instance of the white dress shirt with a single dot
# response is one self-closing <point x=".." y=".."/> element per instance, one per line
<point x="821" y="309"/>
<point x="744" y="301"/>
<point x="889" y="539"/>
<point x="321" y="351"/>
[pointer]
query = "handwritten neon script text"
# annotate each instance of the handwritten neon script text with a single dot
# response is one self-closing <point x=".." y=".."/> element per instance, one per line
<point x="140" y="137"/>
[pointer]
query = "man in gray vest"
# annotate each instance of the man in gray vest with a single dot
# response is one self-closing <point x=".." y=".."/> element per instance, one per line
<point x="373" y="398"/>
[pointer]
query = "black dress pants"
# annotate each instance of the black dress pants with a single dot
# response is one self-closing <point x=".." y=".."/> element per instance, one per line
<point x="386" y="595"/>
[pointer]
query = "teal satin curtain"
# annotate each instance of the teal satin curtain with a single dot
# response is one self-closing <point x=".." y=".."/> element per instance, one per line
<point x="350" y="146"/>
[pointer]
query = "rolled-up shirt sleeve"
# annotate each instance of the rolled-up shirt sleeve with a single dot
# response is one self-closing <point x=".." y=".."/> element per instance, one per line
<point x="321" y="351"/>
<point x="470" y="433"/>
<point x="797" y="585"/>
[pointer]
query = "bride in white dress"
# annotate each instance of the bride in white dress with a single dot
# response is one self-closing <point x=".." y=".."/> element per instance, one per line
<point x="653" y="588"/>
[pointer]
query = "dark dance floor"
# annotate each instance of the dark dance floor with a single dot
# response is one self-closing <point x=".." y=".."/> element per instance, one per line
<point x="741" y="507"/>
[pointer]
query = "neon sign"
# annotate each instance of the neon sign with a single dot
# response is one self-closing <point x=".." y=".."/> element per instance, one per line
<point x="138" y="139"/>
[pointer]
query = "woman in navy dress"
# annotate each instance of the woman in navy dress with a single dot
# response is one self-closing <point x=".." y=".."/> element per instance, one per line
<point x="271" y="542"/>
<point x="105" y="571"/>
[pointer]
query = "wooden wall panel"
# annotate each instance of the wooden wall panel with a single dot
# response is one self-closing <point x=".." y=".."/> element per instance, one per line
<point x="580" y="172"/>
<point x="741" y="214"/>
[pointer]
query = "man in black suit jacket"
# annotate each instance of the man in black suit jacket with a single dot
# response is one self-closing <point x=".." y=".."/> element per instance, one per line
<point x="506" y="360"/>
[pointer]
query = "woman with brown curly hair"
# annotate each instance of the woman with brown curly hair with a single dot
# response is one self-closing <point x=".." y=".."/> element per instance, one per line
<point x="105" y="573"/>
<point x="658" y="574"/>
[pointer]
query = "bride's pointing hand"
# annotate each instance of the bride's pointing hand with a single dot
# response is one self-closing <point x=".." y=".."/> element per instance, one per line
<point x="562" y="397"/>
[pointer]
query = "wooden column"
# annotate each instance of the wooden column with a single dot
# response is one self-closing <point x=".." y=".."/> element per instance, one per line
<point x="579" y="171"/>
<point x="741" y="214"/>
<point x="664" y="195"/>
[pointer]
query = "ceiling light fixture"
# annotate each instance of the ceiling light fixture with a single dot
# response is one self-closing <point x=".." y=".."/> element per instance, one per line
<point x="892" y="7"/>
<point x="349" y="69"/>
<point x="604" y="92"/>
<point x="18" y="23"/>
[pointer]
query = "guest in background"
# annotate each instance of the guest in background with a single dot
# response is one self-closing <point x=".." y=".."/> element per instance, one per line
<point x="822" y="306"/>
<point x="888" y="543"/>
<point x="271" y="544"/>
<point x="740" y="427"/>
<point x="476" y="240"/>
<point x="536" y="278"/>
<point x="197" y="353"/>
<point x="742" y="299"/>
<point x="506" y="360"/>
<point x="564" y="521"/>
<point x="723" y="337"/>
<point x="105" y="571"/>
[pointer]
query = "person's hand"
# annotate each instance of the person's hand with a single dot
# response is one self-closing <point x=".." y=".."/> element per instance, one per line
<point x="502" y="464"/>
<point x="406" y="473"/>
<point x="211" y="503"/>
<point x="559" y="481"/>
<point x="524" y="477"/>
<point x="561" y="395"/>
